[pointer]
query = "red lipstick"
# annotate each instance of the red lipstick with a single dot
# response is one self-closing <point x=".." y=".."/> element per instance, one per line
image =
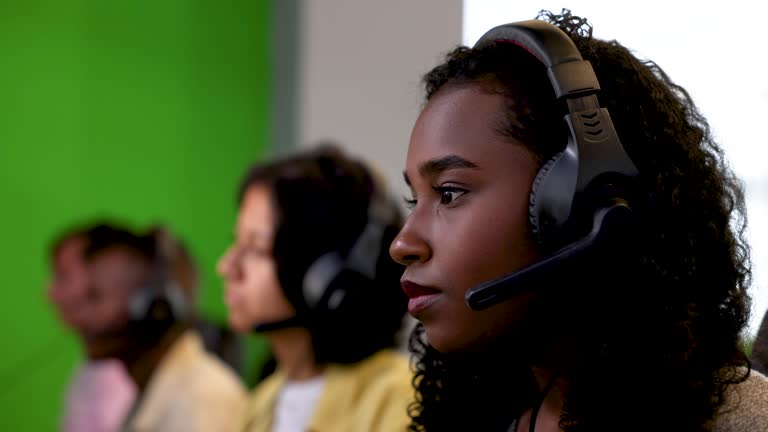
<point x="421" y="297"/>
<point x="414" y="290"/>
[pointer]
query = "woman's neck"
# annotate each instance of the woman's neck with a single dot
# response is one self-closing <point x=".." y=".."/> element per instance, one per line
<point x="293" y="352"/>
<point x="143" y="360"/>
<point x="551" y="387"/>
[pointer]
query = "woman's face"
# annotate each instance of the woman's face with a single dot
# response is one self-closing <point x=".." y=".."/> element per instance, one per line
<point x="117" y="275"/>
<point x="68" y="287"/>
<point x="469" y="223"/>
<point x="252" y="291"/>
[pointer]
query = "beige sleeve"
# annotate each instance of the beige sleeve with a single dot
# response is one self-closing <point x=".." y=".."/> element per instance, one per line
<point x="746" y="407"/>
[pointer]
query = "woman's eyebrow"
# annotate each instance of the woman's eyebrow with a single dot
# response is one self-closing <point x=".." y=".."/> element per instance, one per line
<point x="433" y="167"/>
<point x="252" y="236"/>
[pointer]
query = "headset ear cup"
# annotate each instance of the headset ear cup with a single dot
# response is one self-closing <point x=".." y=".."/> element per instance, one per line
<point x="319" y="277"/>
<point x="326" y="281"/>
<point x="534" y="216"/>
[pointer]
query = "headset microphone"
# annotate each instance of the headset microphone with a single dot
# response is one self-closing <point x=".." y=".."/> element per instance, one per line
<point x="264" y="327"/>
<point x="607" y="221"/>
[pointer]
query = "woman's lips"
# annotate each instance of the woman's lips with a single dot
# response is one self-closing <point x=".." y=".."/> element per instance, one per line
<point x="414" y="290"/>
<point x="421" y="297"/>
<point x="231" y="297"/>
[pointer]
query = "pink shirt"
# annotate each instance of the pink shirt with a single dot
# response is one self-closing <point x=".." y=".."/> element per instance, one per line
<point x="99" y="397"/>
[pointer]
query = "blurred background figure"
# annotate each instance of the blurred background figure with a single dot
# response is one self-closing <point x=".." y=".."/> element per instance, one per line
<point x="117" y="111"/>
<point x="101" y="392"/>
<point x="759" y="356"/>
<point x="131" y="299"/>
<point x="309" y="270"/>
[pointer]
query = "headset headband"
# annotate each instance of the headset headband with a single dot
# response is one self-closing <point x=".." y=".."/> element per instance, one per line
<point x="595" y="148"/>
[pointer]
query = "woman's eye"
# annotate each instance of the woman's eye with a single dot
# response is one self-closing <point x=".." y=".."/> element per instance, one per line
<point x="255" y="250"/>
<point x="410" y="203"/>
<point x="449" y="194"/>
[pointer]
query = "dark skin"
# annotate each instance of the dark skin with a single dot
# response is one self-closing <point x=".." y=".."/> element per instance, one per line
<point x="68" y="288"/>
<point x="116" y="273"/>
<point x="468" y="225"/>
<point x="80" y="298"/>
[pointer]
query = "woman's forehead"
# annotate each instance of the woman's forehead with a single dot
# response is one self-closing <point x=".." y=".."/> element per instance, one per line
<point x="255" y="218"/>
<point x="460" y="123"/>
<point x="455" y="108"/>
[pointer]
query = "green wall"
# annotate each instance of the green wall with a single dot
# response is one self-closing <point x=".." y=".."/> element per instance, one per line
<point x="142" y="111"/>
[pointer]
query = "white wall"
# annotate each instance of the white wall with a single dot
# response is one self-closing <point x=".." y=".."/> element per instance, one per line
<point x="359" y="71"/>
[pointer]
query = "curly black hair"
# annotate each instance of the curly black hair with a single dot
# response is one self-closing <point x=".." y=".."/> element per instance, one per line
<point x="645" y="339"/>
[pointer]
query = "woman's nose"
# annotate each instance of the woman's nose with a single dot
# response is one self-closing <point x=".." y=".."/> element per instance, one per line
<point x="225" y="265"/>
<point x="409" y="247"/>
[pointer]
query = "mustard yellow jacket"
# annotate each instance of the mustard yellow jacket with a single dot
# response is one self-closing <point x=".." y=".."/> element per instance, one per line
<point x="371" y="396"/>
<point x="191" y="391"/>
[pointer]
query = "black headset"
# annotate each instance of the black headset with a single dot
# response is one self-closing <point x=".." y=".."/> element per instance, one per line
<point x="583" y="185"/>
<point x="330" y="280"/>
<point x="323" y="287"/>
<point x="161" y="299"/>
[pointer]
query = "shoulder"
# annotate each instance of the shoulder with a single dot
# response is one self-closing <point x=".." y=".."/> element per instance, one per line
<point x="205" y="370"/>
<point x="213" y="397"/>
<point x="259" y="411"/>
<point x="377" y="390"/>
<point x="386" y="362"/>
<point x="266" y="391"/>
<point x="746" y="406"/>
<point x="384" y="371"/>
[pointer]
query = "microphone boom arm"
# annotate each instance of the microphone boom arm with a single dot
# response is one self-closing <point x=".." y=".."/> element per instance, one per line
<point x="495" y="291"/>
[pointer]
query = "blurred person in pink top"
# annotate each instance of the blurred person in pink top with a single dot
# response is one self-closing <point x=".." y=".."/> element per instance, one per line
<point x="130" y="296"/>
<point x="101" y="392"/>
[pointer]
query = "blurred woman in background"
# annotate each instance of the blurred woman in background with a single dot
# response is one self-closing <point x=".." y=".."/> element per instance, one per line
<point x="131" y="299"/>
<point x="309" y="270"/>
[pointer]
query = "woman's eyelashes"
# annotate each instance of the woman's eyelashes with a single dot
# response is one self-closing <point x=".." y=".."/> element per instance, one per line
<point x="449" y="194"/>
<point x="410" y="203"/>
<point x="253" y="250"/>
<point x="445" y="195"/>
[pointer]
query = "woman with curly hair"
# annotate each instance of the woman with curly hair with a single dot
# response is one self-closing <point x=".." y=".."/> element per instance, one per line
<point x="617" y="264"/>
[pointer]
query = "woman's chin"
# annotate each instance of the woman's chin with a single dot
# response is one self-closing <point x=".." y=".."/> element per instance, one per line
<point x="442" y="340"/>
<point x="449" y="340"/>
<point x="238" y="324"/>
